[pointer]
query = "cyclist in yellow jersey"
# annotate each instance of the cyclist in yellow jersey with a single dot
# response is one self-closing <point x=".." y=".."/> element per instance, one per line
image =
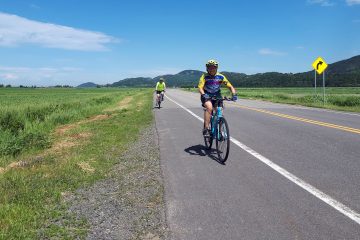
<point x="160" y="89"/>
<point x="209" y="86"/>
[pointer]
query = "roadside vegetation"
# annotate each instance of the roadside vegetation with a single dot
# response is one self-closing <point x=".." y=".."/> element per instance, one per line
<point x="344" y="99"/>
<point x="54" y="141"/>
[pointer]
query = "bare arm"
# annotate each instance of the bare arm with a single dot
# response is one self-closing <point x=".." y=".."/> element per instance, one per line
<point x="232" y="89"/>
<point x="201" y="91"/>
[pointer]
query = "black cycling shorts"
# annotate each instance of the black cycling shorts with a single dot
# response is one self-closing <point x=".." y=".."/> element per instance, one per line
<point x="158" y="92"/>
<point x="203" y="100"/>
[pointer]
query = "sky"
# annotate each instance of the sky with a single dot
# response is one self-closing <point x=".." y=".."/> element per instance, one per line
<point x="69" y="42"/>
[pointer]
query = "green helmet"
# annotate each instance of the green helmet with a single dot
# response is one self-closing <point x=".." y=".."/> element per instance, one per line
<point x="212" y="62"/>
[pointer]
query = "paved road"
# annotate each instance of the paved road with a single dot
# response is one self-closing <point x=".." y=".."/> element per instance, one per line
<point x="297" y="175"/>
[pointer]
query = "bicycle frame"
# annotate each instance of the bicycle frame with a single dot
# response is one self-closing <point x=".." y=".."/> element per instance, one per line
<point x="215" y="116"/>
<point x="219" y="130"/>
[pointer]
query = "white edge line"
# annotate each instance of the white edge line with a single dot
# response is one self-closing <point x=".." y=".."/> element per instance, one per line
<point x="314" y="191"/>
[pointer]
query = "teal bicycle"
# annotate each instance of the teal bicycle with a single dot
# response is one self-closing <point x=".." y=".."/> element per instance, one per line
<point x="219" y="130"/>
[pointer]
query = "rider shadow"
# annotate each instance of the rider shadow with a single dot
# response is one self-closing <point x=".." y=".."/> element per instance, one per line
<point x="201" y="150"/>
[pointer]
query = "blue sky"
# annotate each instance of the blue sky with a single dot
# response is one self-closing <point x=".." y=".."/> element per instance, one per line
<point x="74" y="41"/>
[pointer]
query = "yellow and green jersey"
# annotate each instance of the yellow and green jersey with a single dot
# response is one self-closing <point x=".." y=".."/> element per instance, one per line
<point x="212" y="84"/>
<point x="160" y="86"/>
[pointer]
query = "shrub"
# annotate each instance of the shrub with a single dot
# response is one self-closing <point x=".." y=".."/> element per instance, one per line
<point x="350" y="101"/>
<point x="12" y="122"/>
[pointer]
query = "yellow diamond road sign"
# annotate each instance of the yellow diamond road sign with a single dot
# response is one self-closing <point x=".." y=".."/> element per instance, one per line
<point x="319" y="65"/>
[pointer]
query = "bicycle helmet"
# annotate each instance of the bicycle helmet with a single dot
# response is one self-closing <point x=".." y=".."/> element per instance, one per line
<point x="162" y="80"/>
<point x="212" y="62"/>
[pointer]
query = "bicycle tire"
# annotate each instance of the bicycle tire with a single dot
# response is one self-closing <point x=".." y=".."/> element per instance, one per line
<point x="222" y="140"/>
<point x="209" y="140"/>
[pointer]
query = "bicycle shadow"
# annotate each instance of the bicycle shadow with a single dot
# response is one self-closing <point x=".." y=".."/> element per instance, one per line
<point x="201" y="150"/>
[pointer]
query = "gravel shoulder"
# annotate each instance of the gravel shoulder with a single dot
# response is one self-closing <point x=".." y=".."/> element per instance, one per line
<point x="129" y="204"/>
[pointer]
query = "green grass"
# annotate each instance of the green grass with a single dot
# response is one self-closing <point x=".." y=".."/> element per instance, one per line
<point x="344" y="99"/>
<point x="27" y="116"/>
<point x="31" y="199"/>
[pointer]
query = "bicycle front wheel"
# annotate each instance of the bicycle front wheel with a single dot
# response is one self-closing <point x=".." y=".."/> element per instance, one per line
<point x="223" y="140"/>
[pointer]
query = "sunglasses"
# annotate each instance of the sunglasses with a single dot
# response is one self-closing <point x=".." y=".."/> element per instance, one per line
<point x="212" y="67"/>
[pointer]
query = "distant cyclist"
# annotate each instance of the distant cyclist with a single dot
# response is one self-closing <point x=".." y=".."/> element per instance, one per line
<point x="160" y="89"/>
<point x="209" y="86"/>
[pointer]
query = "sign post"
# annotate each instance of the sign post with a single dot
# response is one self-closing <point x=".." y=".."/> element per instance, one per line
<point x="315" y="83"/>
<point x="320" y="65"/>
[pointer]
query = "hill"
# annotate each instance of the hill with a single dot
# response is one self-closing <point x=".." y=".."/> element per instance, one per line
<point x="345" y="73"/>
<point x="184" y="78"/>
<point x="134" y="82"/>
<point x="87" y="85"/>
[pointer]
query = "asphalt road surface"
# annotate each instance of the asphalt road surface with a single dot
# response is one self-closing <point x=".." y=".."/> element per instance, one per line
<point x="293" y="172"/>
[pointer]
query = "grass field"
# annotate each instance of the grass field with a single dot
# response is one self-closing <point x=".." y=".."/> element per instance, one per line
<point x="54" y="141"/>
<point x="344" y="99"/>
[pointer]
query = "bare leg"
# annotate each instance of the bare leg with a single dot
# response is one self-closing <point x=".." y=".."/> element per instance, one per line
<point x="207" y="114"/>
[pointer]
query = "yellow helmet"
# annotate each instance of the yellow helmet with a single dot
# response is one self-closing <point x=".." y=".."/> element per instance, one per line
<point x="212" y="62"/>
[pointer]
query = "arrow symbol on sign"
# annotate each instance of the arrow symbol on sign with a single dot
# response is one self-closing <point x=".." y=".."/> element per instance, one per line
<point x="317" y="66"/>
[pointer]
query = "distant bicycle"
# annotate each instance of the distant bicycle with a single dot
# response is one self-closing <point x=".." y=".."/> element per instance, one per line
<point x="159" y="99"/>
<point x="219" y="130"/>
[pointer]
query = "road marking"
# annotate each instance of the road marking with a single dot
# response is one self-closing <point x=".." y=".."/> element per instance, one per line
<point x="301" y="183"/>
<point x="324" y="124"/>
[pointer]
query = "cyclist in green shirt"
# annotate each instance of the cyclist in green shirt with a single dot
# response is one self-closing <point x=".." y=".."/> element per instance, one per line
<point x="160" y="89"/>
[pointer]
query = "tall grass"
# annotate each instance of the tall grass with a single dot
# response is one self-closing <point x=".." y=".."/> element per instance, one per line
<point x="32" y="204"/>
<point x="338" y="98"/>
<point x="27" y="116"/>
<point x="346" y="99"/>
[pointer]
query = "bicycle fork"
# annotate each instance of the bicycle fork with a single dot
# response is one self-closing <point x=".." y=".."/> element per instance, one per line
<point x="215" y="131"/>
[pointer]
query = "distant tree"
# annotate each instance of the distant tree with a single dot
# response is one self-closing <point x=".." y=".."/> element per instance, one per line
<point x="8" y="86"/>
<point x="1" y="85"/>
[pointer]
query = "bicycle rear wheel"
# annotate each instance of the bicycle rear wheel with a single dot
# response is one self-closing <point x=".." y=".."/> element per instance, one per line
<point x="159" y="102"/>
<point x="208" y="142"/>
<point x="223" y="140"/>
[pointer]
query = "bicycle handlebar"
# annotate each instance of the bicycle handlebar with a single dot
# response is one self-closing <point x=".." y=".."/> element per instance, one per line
<point x="223" y="99"/>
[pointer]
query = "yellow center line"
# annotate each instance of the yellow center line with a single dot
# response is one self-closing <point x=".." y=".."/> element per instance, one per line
<point x="330" y="125"/>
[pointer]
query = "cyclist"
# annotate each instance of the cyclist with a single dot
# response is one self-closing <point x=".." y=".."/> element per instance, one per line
<point x="209" y="86"/>
<point x="160" y="89"/>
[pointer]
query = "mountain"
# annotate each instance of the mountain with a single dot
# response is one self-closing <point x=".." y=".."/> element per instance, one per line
<point x="351" y="65"/>
<point x="134" y="82"/>
<point x="184" y="78"/>
<point x="87" y="85"/>
<point x="345" y="73"/>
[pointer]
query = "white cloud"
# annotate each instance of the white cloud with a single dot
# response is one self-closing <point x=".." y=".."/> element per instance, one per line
<point x="15" y="30"/>
<point x="45" y="76"/>
<point x="352" y="2"/>
<point x="300" y="47"/>
<point x="323" y="3"/>
<point x="267" y="51"/>
<point x="9" y="76"/>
